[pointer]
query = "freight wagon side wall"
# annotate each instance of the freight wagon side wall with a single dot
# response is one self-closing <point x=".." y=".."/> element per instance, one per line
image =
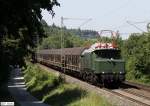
<point x="69" y="62"/>
<point x="72" y="62"/>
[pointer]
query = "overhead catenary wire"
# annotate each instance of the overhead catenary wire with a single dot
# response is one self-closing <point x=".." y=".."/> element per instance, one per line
<point x="132" y="24"/>
<point x="123" y="5"/>
<point x="85" y="20"/>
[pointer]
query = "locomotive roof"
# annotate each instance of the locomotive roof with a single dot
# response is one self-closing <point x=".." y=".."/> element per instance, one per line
<point x="100" y="46"/>
<point x="65" y="51"/>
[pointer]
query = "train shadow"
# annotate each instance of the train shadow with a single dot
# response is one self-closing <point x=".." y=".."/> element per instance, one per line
<point x="127" y="86"/>
<point x="121" y="86"/>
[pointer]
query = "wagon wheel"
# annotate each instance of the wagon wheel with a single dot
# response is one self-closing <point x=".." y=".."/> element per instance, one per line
<point x="95" y="79"/>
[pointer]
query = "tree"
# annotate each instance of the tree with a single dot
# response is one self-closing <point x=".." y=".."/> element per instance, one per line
<point x="19" y="24"/>
<point x="136" y="51"/>
<point x="23" y="15"/>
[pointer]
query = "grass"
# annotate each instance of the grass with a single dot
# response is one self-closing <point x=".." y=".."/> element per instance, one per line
<point x="91" y="99"/>
<point x="54" y="91"/>
<point x="71" y="95"/>
<point x="140" y="81"/>
<point x="145" y="79"/>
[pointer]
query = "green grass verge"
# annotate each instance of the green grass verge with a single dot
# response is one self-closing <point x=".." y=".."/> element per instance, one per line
<point x="54" y="91"/>
<point x="145" y="79"/>
<point x="139" y="81"/>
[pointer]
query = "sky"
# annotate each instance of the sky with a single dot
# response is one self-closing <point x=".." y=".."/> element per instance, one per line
<point x="113" y="15"/>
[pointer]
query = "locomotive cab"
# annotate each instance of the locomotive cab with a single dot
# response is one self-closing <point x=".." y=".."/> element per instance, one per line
<point x="109" y="65"/>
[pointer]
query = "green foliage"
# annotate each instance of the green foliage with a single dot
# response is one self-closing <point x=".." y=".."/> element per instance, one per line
<point x="65" y="94"/>
<point x="38" y="81"/>
<point x="136" y="51"/>
<point x="50" y="89"/>
<point x="84" y="33"/>
<point x="91" y="99"/>
<point x="54" y="38"/>
<point x="51" y="42"/>
<point x="72" y="38"/>
<point x="20" y="23"/>
<point x="16" y="14"/>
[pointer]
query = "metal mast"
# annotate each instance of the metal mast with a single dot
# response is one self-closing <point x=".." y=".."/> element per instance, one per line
<point x="86" y="20"/>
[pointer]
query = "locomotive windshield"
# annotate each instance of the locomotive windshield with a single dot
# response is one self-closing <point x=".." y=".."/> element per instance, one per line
<point x="108" y="53"/>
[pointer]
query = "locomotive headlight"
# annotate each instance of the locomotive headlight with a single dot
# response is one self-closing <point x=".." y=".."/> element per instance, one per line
<point x="103" y="72"/>
<point x="120" y="72"/>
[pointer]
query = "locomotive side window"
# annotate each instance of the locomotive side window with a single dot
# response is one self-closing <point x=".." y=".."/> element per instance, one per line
<point x="115" y="54"/>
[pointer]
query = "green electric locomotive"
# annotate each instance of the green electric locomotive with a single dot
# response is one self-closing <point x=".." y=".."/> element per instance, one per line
<point x="105" y="62"/>
<point x="100" y="63"/>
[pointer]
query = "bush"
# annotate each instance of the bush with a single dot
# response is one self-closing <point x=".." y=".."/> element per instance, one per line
<point x="38" y="81"/>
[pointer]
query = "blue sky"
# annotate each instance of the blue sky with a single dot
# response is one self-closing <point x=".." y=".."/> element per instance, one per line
<point x="105" y="14"/>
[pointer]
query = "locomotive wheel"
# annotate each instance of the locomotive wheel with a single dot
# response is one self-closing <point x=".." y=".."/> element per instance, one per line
<point x="92" y="78"/>
<point x="95" y="79"/>
<point x="84" y="76"/>
<point x="88" y="78"/>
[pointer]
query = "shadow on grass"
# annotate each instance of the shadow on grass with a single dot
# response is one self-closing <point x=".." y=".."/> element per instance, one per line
<point x="65" y="98"/>
<point x="40" y="93"/>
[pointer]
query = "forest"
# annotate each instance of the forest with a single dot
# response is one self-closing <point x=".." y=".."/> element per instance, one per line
<point x="135" y="50"/>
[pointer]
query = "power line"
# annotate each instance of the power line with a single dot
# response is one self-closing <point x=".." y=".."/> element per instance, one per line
<point x="86" y="20"/>
<point x="118" y="8"/>
<point x="140" y="22"/>
<point x="132" y="24"/>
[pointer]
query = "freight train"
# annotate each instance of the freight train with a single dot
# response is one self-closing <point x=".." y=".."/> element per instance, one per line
<point x="99" y="63"/>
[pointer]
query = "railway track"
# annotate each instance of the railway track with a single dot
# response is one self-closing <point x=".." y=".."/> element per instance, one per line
<point x="135" y="92"/>
<point x="136" y="85"/>
<point x="139" y="91"/>
<point x="135" y="97"/>
<point x="128" y="95"/>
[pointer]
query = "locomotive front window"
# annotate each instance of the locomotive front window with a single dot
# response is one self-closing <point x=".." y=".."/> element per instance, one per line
<point x="115" y="54"/>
